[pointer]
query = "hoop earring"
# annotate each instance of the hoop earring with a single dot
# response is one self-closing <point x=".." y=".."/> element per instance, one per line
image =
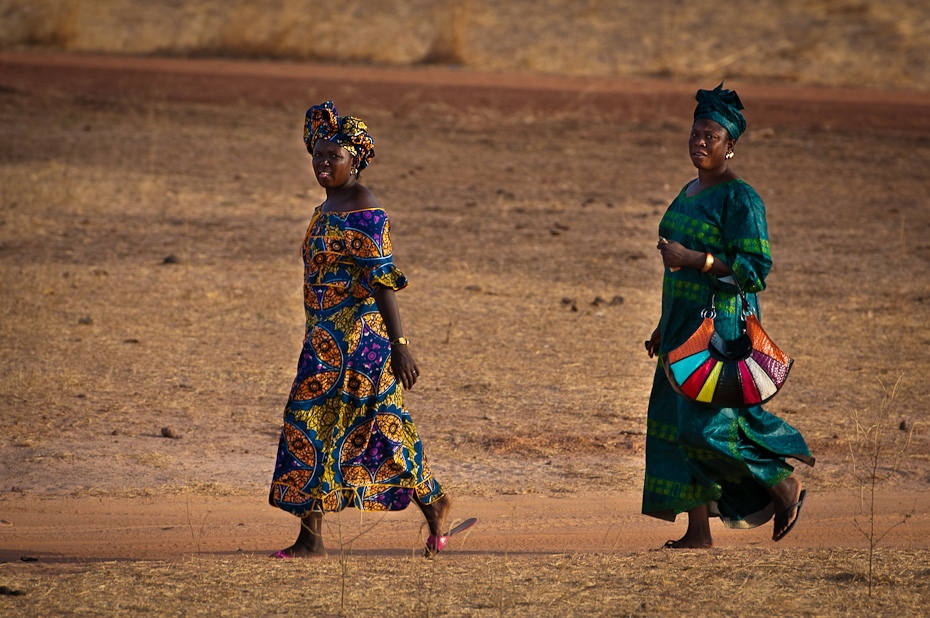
<point x="353" y="171"/>
<point x="730" y="154"/>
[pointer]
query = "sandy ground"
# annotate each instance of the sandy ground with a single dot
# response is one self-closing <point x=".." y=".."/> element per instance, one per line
<point x="171" y="528"/>
<point x="69" y="458"/>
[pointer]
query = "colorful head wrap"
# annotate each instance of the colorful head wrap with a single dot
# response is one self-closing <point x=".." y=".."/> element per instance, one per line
<point x="349" y="132"/>
<point x="723" y="107"/>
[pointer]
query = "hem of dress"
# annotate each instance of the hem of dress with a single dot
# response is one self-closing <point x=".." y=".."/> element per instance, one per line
<point x="352" y="499"/>
<point x="663" y="515"/>
<point x="672" y="513"/>
<point x="753" y="520"/>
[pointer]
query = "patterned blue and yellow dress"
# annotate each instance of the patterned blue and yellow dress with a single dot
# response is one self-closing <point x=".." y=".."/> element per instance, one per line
<point x="347" y="438"/>
<point x="696" y="455"/>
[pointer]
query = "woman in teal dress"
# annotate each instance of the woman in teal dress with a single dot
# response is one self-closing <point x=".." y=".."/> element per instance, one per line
<point x="724" y="462"/>
<point x="347" y="438"/>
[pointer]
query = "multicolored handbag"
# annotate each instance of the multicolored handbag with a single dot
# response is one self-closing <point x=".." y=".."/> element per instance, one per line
<point x="746" y="371"/>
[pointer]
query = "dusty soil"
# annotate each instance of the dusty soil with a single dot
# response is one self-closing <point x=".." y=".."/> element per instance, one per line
<point x="150" y="217"/>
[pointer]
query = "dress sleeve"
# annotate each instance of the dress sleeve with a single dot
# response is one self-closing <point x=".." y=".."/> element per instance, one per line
<point x="746" y="238"/>
<point x="368" y="243"/>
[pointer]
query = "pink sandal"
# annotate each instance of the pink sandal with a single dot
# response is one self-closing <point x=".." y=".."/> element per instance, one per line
<point x="434" y="544"/>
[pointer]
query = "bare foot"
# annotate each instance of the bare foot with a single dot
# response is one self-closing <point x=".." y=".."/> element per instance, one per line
<point x="300" y="551"/>
<point x="697" y="536"/>
<point x="309" y="543"/>
<point x="689" y="543"/>
<point x="787" y="497"/>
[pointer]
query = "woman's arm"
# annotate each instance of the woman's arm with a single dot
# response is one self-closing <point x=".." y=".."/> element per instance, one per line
<point x="402" y="362"/>
<point x="676" y="255"/>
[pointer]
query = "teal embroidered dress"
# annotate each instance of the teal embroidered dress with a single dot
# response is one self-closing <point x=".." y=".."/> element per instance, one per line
<point x="695" y="455"/>
<point x="347" y="438"/>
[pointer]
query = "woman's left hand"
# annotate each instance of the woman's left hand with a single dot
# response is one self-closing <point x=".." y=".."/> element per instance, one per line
<point x="404" y="365"/>
<point x="652" y="344"/>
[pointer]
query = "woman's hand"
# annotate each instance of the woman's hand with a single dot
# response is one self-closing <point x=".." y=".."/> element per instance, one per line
<point x="404" y="365"/>
<point x="402" y="362"/>
<point x="652" y="344"/>
<point x="675" y="255"/>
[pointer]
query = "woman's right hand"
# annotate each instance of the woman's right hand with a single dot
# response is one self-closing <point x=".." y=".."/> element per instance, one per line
<point x="675" y="255"/>
<point x="652" y="344"/>
<point x="404" y="366"/>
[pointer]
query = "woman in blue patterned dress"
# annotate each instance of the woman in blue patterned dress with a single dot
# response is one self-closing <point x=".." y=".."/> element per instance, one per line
<point x="347" y="439"/>
<point x="724" y="462"/>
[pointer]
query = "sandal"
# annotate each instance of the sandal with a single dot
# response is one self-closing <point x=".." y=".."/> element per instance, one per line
<point x="434" y="544"/>
<point x="797" y="515"/>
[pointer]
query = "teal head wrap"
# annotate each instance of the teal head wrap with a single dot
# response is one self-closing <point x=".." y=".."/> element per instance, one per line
<point x="723" y="107"/>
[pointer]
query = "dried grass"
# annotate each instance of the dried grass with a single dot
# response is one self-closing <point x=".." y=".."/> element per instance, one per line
<point x="732" y="583"/>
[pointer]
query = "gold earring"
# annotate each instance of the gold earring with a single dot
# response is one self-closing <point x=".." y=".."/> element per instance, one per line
<point x="730" y="154"/>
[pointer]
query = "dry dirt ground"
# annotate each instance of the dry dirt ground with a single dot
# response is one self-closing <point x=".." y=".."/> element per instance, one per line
<point x="150" y="216"/>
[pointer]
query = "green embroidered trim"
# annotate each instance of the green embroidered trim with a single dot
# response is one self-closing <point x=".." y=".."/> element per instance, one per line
<point x="675" y="489"/>
<point x="759" y="246"/>
<point x="693" y="228"/>
<point x="689" y="290"/>
<point x="662" y="431"/>
<point x="726" y="305"/>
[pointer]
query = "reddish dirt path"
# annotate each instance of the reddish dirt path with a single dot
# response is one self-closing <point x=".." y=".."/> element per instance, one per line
<point x="170" y="527"/>
<point x="407" y="91"/>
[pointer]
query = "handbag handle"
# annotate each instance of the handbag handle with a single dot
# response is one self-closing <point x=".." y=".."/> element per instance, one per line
<point x="710" y="311"/>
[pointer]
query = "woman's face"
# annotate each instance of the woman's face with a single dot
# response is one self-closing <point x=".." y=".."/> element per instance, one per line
<point x="332" y="164"/>
<point x="708" y="144"/>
